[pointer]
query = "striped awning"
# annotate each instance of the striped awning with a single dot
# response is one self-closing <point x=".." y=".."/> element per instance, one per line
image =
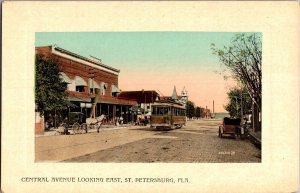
<point x="115" y="89"/>
<point x="96" y="85"/>
<point x="79" y="81"/>
<point x="65" y="78"/>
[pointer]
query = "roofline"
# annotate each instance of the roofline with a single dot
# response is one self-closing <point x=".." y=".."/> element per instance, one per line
<point x="168" y="102"/>
<point x="84" y="58"/>
<point x="141" y="91"/>
<point x="49" y="46"/>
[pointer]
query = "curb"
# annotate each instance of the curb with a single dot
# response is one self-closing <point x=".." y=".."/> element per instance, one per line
<point x="255" y="140"/>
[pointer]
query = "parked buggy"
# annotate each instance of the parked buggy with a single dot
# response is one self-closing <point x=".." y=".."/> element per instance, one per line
<point x="231" y="127"/>
<point x="78" y="124"/>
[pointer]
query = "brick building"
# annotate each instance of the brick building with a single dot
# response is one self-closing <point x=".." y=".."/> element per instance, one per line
<point x="144" y="98"/>
<point x="92" y="85"/>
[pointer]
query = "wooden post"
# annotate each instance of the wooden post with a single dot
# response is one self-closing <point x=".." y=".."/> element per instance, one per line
<point x="121" y="111"/>
<point x="114" y="112"/>
<point x="100" y="108"/>
<point x="108" y="110"/>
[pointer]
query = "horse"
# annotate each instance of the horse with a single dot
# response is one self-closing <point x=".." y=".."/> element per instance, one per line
<point x="96" y="121"/>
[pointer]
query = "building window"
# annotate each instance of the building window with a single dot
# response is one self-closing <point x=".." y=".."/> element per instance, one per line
<point x="114" y="90"/>
<point x="114" y="94"/>
<point x="103" y="88"/>
<point x="80" y="84"/>
<point x="154" y="111"/>
<point x="79" y="88"/>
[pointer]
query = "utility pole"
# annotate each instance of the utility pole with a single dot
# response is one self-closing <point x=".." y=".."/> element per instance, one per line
<point x="236" y="106"/>
<point x="92" y="76"/>
<point x="213" y="107"/>
<point x="242" y="105"/>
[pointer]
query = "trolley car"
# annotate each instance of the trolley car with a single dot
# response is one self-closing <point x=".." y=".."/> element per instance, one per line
<point x="167" y="114"/>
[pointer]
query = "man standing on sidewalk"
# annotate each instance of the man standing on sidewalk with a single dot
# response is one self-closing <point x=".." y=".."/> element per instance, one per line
<point x="66" y="125"/>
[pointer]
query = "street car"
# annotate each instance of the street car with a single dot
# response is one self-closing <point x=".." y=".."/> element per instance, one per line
<point x="167" y="114"/>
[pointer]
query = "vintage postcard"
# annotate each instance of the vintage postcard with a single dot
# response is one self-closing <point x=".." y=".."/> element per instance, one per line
<point x="129" y="112"/>
<point x="150" y="96"/>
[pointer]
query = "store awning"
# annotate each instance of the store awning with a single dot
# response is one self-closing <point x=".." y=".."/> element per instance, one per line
<point x="79" y="81"/>
<point x="96" y="85"/>
<point x="79" y="99"/>
<point x="115" y="89"/>
<point x="65" y="78"/>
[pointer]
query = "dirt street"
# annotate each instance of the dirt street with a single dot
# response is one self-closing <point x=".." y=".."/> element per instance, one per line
<point x="198" y="141"/>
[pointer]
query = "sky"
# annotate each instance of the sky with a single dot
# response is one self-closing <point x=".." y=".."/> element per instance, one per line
<point x="156" y="60"/>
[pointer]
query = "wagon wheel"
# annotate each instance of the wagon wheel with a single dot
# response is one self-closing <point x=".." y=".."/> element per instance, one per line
<point x="83" y="128"/>
<point x="76" y="128"/>
<point x="95" y="127"/>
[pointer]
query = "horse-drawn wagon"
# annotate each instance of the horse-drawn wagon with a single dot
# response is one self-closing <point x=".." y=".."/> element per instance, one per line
<point x="77" y="123"/>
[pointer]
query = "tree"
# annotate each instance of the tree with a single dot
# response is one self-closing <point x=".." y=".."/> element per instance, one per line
<point x="190" y="109"/>
<point x="239" y="102"/>
<point x="50" y="89"/>
<point x="243" y="59"/>
<point x="202" y="112"/>
<point x="198" y="112"/>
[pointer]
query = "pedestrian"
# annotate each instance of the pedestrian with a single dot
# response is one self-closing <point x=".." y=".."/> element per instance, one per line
<point x="146" y="121"/>
<point x="117" y="121"/>
<point x="121" y="120"/>
<point x="50" y="121"/>
<point x="66" y="125"/>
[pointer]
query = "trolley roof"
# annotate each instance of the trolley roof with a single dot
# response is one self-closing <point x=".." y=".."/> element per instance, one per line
<point x="168" y="103"/>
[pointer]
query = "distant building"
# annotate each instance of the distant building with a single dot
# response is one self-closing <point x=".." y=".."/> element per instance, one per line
<point x="92" y="85"/>
<point x="174" y="94"/>
<point x="144" y="98"/>
<point x="183" y="98"/>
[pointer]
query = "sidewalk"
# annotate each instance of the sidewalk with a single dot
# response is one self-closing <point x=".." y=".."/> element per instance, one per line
<point x="63" y="147"/>
<point x="53" y="131"/>
<point x="255" y="137"/>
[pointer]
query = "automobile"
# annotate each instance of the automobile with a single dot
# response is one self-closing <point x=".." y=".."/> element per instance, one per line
<point x="230" y="126"/>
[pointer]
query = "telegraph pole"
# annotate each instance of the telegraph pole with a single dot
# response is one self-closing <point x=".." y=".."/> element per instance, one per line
<point x="213" y="107"/>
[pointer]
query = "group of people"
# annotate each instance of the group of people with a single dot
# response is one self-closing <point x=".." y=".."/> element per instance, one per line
<point x="142" y="120"/>
<point x="119" y="121"/>
<point x="53" y="121"/>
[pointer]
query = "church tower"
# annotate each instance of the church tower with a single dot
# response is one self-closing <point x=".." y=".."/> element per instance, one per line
<point x="174" y="95"/>
<point x="184" y="96"/>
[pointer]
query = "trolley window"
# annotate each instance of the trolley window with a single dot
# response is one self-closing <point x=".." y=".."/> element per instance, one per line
<point x="154" y="110"/>
<point x="162" y="110"/>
